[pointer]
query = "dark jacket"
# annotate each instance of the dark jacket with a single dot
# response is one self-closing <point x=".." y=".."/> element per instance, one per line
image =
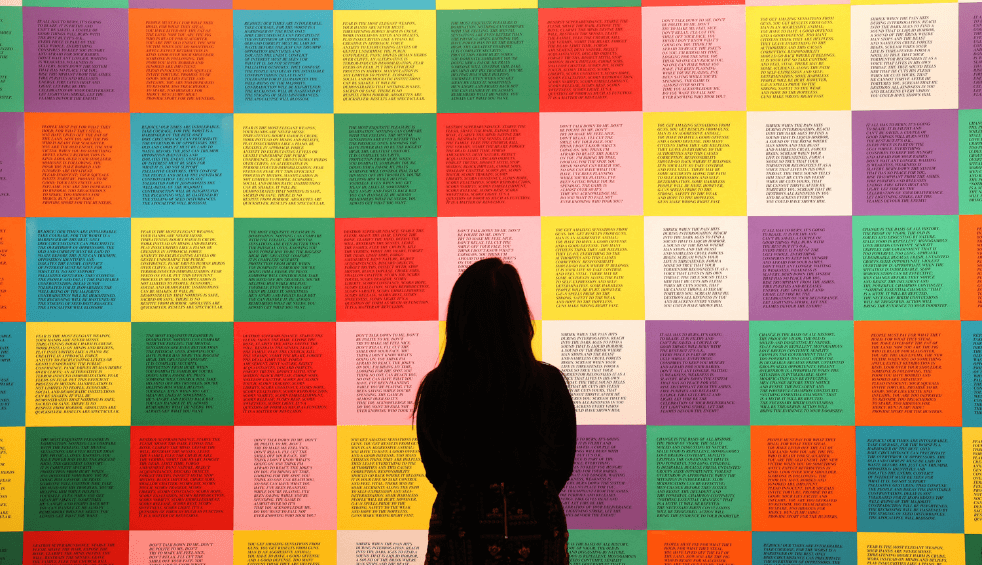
<point x="498" y="461"/>
<point x="535" y="437"/>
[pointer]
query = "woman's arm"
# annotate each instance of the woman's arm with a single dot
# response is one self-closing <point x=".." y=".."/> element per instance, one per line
<point x="433" y="463"/>
<point x="558" y="451"/>
<point x="566" y="436"/>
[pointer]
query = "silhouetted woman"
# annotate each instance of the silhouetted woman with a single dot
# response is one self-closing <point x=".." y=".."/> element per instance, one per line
<point x="496" y="430"/>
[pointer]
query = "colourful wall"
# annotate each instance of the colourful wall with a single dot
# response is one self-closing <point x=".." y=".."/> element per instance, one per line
<point x="749" y="234"/>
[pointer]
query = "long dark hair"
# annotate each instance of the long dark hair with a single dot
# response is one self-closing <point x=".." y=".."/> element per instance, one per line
<point x="487" y="359"/>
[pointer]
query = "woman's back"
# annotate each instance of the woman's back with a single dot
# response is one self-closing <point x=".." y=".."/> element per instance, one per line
<point x="522" y="437"/>
<point x="498" y="481"/>
<point x="496" y="430"/>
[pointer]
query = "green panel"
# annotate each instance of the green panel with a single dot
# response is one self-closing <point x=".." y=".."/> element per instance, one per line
<point x="11" y="59"/>
<point x="608" y="547"/>
<point x="77" y="479"/>
<point x="699" y="478"/>
<point x="183" y="374"/>
<point x="487" y="61"/>
<point x="905" y="267"/>
<point x="970" y="162"/>
<point x="802" y="374"/>
<point x="11" y="548"/>
<point x="587" y="3"/>
<point x="973" y="549"/>
<point x="385" y="165"/>
<point x="284" y="270"/>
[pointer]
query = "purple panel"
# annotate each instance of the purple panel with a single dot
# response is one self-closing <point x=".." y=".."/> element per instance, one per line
<point x="698" y="373"/>
<point x="607" y="489"/>
<point x="970" y="56"/>
<point x="800" y="268"/>
<point x="12" y="164"/>
<point x="76" y="60"/>
<point x="905" y="162"/>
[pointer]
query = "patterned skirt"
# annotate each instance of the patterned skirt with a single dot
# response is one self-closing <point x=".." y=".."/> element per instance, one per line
<point x="497" y="523"/>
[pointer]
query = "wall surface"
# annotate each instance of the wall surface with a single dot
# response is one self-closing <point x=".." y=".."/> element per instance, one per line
<point x="749" y="234"/>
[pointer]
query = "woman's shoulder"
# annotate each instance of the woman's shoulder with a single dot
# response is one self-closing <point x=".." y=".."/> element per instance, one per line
<point x="551" y="377"/>
<point x="549" y="370"/>
<point x="556" y="396"/>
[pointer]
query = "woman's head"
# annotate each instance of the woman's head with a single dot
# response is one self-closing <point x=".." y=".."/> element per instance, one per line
<point x="487" y="356"/>
<point x="487" y="314"/>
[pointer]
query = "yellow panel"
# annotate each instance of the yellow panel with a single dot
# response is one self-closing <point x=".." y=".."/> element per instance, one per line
<point x="381" y="481"/>
<point x="284" y="166"/>
<point x="78" y="374"/>
<point x="593" y="268"/>
<point x="798" y="58"/>
<point x="384" y="61"/>
<point x="695" y="164"/>
<point x="182" y="269"/>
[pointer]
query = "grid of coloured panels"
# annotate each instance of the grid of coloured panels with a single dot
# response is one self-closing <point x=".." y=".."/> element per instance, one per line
<point x="748" y="233"/>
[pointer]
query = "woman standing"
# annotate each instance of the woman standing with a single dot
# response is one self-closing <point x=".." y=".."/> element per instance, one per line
<point x="496" y="431"/>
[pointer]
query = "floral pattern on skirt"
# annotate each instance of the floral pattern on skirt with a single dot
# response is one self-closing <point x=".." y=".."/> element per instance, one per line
<point x="470" y="519"/>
